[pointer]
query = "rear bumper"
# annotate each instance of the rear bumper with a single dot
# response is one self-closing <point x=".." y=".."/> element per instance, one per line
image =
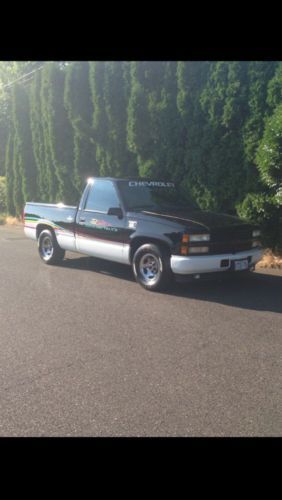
<point x="212" y="263"/>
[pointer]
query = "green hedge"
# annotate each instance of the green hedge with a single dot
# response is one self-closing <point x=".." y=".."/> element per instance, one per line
<point x="213" y="127"/>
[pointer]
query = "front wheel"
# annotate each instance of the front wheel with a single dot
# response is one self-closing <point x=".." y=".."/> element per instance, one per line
<point x="48" y="248"/>
<point x="151" y="267"/>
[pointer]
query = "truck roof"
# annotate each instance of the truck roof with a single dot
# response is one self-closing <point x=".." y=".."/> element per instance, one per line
<point x="108" y="178"/>
<point x="124" y="179"/>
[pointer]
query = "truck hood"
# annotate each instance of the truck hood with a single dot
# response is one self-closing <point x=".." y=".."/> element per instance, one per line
<point x="197" y="218"/>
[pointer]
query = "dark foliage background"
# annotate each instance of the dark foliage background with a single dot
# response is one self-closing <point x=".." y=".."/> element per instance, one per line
<point x="213" y="127"/>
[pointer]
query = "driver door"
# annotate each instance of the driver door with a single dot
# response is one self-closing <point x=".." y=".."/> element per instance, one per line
<point x="98" y="233"/>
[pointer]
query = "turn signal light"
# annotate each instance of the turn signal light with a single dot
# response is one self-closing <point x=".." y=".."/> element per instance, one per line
<point x="184" y="250"/>
<point x="185" y="238"/>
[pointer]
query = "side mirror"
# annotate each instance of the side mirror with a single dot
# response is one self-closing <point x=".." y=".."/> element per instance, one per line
<point x="117" y="211"/>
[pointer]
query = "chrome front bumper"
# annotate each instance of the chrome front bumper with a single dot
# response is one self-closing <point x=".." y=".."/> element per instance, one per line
<point x="211" y="263"/>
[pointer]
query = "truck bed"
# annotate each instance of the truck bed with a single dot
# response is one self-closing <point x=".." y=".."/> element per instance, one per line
<point x="60" y="217"/>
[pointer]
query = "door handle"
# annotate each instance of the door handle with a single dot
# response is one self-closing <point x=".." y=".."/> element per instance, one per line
<point x="81" y="219"/>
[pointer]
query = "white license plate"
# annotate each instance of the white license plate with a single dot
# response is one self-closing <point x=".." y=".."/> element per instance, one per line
<point x="240" y="265"/>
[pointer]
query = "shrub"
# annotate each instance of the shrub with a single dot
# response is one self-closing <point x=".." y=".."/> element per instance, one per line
<point x="265" y="210"/>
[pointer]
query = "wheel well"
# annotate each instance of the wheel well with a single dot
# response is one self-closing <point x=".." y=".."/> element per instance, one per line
<point x="41" y="227"/>
<point x="138" y="241"/>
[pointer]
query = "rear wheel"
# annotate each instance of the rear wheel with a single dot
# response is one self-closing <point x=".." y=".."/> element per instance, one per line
<point x="48" y="248"/>
<point x="151" y="267"/>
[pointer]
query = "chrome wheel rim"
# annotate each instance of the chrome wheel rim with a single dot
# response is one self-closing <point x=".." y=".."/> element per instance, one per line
<point x="149" y="267"/>
<point x="47" y="248"/>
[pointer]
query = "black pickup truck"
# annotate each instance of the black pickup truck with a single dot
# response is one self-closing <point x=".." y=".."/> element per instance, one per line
<point x="146" y="224"/>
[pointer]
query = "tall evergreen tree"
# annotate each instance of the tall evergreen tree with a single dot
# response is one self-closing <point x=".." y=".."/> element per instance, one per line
<point x="139" y="138"/>
<point x="23" y="150"/>
<point x="4" y="134"/>
<point x="59" y="135"/>
<point x="154" y="128"/>
<point x="120" y="160"/>
<point x="78" y="103"/>
<point x="47" y="177"/>
<point x="9" y="71"/>
<point x="169" y="135"/>
<point x="100" y="119"/>
<point x="18" y="198"/>
<point x="37" y="133"/>
<point x="191" y="79"/>
<point x="9" y="173"/>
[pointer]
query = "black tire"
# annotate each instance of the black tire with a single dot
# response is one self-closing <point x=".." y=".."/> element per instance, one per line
<point x="151" y="267"/>
<point x="48" y="248"/>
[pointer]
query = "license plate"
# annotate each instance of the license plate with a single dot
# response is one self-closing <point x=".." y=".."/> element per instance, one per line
<point x="240" y="265"/>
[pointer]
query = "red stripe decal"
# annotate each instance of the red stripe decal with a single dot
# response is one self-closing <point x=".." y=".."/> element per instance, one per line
<point x="82" y="235"/>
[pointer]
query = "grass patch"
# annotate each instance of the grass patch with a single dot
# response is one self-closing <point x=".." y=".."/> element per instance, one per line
<point x="13" y="221"/>
<point x="270" y="260"/>
<point x="8" y="219"/>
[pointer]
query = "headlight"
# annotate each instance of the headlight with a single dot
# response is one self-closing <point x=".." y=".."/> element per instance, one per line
<point x="198" y="249"/>
<point x="256" y="233"/>
<point x="199" y="237"/>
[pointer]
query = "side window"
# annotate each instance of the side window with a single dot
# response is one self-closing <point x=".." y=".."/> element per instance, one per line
<point x="102" y="196"/>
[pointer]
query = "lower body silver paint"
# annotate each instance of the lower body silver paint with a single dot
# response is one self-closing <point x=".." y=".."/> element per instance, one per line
<point x="30" y="232"/>
<point x="66" y="241"/>
<point x="109" y="250"/>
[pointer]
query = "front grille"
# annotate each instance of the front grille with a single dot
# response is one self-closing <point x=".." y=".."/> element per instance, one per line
<point x="231" y="239"/>
<point x="230" y="247"/>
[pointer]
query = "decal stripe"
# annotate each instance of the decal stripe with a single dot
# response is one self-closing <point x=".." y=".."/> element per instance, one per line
<point x="89" y="236"/>
<point x="61" y="231"/>
<point x="44" y="221"/>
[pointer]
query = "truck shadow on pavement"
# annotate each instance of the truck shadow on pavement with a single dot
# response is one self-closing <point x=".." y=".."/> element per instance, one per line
<point x="100" y="266"/>
<point x="255" y="291"/>
<point x="258" y="291"/>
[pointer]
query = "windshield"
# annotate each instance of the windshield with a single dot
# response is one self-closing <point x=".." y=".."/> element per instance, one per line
<point x="153" y="195"/>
